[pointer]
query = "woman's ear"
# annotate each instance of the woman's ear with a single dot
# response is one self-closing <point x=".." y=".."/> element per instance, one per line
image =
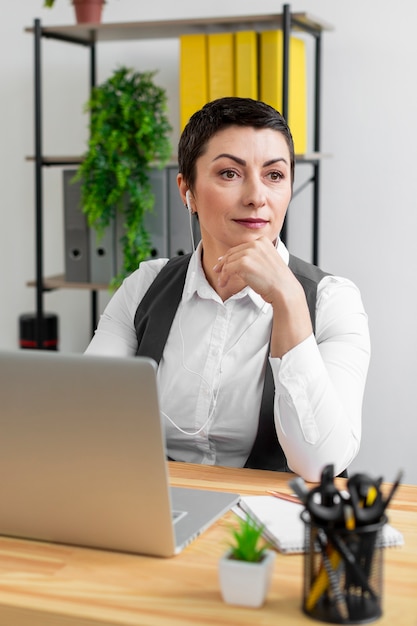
<point x="182" y="188"/>
<point x="185" y="193"/>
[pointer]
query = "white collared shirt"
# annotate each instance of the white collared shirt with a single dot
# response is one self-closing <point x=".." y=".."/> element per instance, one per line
<point x="211" y="374"/>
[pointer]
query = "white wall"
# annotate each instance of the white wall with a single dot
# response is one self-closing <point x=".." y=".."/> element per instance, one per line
<point x="368" y="195"/>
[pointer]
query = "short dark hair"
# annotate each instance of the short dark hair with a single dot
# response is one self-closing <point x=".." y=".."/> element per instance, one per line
<point x="219" y="114"/>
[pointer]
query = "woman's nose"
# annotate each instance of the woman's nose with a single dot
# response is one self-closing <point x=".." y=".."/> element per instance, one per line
<point x="254" y="193"/>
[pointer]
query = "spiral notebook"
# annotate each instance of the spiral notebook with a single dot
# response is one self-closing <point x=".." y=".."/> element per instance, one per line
<point x="284" y="528"/>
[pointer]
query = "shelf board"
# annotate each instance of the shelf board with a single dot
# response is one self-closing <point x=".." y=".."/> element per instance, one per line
<point x="310" y="157"/>
<point x="58" y="160"/>
<point x="58" y="282"/>
<point x="166" y="29"/>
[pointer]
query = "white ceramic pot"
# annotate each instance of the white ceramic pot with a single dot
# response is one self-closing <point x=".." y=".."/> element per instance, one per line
<point x="243" y="583"/>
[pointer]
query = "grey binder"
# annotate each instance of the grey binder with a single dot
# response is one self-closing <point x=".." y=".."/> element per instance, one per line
<point x="76" y="235"/>
<point x="156" y="221"/>
<point x="120" y="230"/>
<point x="103" y="255"/>
<point x="97" y="260"/>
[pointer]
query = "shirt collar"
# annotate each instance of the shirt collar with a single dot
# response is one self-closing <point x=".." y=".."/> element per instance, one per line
<point x="282" y="251"/>
<point x="197" y="283"/>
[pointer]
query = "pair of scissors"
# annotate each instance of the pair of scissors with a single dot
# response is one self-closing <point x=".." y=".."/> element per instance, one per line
<point x="365" y="498"/>
<point x="325" y="503"/>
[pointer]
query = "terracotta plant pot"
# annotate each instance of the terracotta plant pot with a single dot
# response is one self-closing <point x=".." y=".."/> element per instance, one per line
<point x="243" y="583"/>
<point x="88" y="11"/>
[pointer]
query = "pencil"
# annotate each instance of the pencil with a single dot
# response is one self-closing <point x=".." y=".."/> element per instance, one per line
<point x="285" y="496"/>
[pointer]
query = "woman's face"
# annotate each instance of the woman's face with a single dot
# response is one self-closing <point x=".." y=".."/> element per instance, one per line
<point x="243" y="187"/>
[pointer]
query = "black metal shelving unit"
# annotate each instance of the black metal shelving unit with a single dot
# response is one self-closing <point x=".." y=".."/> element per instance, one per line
<point x="90" y="35"/>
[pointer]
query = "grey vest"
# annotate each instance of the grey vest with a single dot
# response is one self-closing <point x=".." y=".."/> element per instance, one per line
<point x="153" y="320"/>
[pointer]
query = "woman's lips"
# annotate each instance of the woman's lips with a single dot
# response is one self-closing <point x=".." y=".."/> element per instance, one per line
<point x="252" y="223"/>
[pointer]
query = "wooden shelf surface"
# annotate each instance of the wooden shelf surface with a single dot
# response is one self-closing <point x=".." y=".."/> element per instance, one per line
<point x="58" y="282"/>
<point x="166" y="29"/>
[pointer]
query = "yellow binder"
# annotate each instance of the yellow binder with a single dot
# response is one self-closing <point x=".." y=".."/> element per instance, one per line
<point x="271" y="82"/>
<point x="221" y="65"/>
<point x="193" y="76"/>
<point x="246" y="64"/>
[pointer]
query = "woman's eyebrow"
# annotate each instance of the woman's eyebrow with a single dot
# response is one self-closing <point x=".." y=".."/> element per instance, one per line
<point x="243" y="162"/>
<point x="277" y="160"/>
<point x="230" y="156"/>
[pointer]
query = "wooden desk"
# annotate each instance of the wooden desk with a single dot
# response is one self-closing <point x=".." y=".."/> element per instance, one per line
<point x="52" y="585"/>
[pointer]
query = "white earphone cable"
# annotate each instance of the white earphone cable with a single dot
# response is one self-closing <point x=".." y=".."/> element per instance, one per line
<point x="190" y="216"/>
<point x="214" y="396"/>
<point x="191" y="229"/>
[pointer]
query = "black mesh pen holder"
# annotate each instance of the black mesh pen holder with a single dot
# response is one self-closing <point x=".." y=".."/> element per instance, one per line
<point x="343" y="572"/>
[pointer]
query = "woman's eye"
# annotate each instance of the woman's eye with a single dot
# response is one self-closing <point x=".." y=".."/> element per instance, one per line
<point x="275" y="176"/>
<point x="229" y="174"/>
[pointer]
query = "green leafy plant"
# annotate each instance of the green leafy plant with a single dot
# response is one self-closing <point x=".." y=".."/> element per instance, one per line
<point x="248" y="544"/>
<point x="129" y="134"/>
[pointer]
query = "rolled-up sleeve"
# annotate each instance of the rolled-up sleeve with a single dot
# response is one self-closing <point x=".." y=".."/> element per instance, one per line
<point x="319" y="384"/>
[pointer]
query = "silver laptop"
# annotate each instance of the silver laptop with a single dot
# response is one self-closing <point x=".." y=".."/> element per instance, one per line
<point x="82" y="457"/>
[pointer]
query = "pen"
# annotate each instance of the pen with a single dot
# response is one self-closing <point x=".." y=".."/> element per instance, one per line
<point x="331" y="564"/>
<point x="326" y="512"/>
<point x="285" y="496"/>
<point x="299" y="487"/>
<point x="322" y="580"/>
<point x="393" y="489"/>
<point x="355" y="570"/>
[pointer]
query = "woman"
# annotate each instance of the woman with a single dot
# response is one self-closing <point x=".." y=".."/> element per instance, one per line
<point x="262" y="357"/>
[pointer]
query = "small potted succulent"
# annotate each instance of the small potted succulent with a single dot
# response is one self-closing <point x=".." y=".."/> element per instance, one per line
<point x="245" y="570"/>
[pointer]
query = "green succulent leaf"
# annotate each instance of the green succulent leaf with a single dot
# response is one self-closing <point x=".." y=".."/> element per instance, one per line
<point x="248" y="543"/>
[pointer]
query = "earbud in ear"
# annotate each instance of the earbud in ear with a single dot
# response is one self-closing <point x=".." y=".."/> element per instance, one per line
<point x="190" y="215"/>
<point x="187" y="199"/>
